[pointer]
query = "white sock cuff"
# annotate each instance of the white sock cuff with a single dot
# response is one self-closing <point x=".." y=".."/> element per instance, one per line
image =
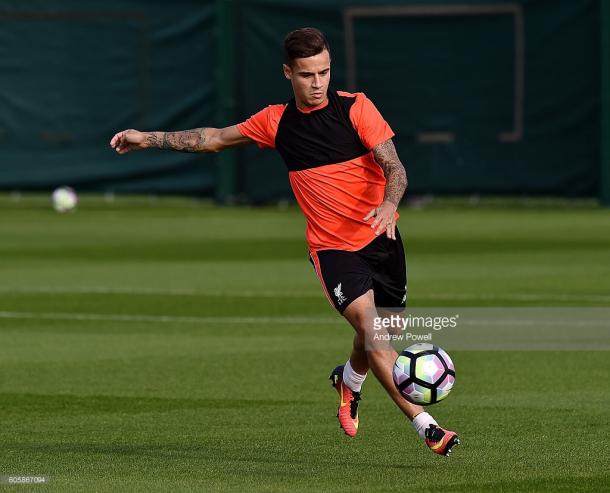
<point x="421" y="423"/>
<point x="352" y="379"/>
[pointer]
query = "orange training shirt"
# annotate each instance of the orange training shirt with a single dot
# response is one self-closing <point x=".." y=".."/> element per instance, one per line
<point x="327" y="149"/>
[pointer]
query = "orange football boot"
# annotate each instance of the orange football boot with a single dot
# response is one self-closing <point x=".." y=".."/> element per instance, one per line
<point x="441" y="441"/>
<point x="348" y="405"/>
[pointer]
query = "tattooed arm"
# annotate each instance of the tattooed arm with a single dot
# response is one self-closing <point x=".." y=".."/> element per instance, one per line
<point x="197" y="140"/>
<point x="395" y="174"/>
<point x="396" y="184"/>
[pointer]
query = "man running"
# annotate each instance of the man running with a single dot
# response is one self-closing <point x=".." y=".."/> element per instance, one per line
<point x="348" y="180"/>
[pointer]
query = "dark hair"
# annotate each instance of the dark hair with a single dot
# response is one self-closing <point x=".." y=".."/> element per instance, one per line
<point x="303" y="43"/>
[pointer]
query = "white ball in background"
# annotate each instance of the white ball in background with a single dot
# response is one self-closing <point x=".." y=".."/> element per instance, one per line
<point x="64" y="199"/>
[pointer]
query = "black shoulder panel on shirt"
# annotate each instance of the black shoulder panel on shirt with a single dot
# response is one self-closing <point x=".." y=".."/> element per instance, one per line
<point x="320" y="137"/>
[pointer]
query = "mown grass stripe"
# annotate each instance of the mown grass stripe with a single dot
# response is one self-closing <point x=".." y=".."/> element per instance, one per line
<point x="291" y="294"/>
<point x="167" y="318"/>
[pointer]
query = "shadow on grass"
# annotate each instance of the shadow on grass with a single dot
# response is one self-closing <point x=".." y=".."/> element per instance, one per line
<point x="207" y="453"/>
<point x="65" y="404"/>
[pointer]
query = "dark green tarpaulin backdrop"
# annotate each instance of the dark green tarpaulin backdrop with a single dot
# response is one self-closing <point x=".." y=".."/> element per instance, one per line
<point x="503" y="97"/>
<point x="73" y="73"/>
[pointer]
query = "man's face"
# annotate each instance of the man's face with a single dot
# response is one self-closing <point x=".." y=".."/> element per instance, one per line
<point x="310" y="78"/>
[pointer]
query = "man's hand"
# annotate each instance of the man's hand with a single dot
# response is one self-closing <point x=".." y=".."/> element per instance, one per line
<point x="129" y="140"/>
<point x="384" y="219"/>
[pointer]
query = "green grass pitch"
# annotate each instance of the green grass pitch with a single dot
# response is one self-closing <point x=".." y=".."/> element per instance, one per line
<point x="175" y="346"/>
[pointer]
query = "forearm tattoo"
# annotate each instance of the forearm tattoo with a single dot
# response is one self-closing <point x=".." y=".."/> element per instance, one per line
<point x="152" y="139"/>
<point x="394" y="171"/>
<point x="185" y="141"/>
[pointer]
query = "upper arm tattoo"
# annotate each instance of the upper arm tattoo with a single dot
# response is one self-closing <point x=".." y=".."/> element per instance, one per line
<point x="395" y="174"/>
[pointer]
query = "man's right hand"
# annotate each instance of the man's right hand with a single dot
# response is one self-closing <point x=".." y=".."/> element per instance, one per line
<point x="129" y="140"/>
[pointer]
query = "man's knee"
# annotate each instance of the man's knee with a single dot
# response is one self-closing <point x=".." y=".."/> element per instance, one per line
<point x="361" y="313"/>
<point x="362" y="322"/>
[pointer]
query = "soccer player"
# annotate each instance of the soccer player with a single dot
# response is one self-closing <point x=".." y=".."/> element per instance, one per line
<point x="348" y="180"/>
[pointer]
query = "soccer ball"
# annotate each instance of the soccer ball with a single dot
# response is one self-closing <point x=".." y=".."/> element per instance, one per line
<point x="424" y="374"/>
<point x="64" y="199"/>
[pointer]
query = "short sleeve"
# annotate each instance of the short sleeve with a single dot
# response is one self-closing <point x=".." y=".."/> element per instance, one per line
<point x="262" y="126"/>
<point x="368" y="122"/>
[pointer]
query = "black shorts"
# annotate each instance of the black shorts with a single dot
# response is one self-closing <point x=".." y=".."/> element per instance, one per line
<point x="379" y="266"/>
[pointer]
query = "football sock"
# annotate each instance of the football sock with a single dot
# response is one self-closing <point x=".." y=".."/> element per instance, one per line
<point x="421" y="422"/>
<point x="352" y="379"/>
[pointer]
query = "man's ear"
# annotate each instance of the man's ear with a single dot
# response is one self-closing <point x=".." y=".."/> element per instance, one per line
<point x="287" y="71"/>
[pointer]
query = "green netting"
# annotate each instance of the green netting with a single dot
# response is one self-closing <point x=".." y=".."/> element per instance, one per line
<point x="447" y="85"/>
<point x="73" y="73"/>
<point x="484" y="96"/>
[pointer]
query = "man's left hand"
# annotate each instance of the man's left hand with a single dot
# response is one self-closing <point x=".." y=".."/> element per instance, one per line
<point x="384" y="219"/>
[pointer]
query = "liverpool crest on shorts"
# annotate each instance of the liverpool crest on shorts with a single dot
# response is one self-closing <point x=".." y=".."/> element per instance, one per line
<point x="339" y="295"/>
